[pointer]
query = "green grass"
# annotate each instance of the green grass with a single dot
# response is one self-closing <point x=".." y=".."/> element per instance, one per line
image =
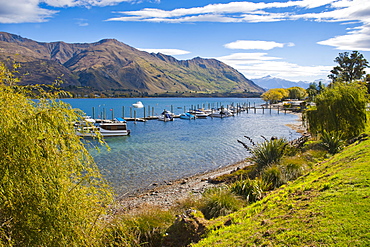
<point x="329" y="206"/>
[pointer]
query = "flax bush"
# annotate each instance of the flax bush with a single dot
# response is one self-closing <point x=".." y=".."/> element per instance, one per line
<point x="268" y="152"/>
<point x="250" y="190"/>
<point x="332" y="141"/>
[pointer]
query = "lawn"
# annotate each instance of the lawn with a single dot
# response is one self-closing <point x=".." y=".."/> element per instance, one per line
<point x="329" y="206"/>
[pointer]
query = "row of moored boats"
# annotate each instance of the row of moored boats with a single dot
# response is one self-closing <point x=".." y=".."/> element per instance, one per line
<point x="118" y="127"/>
<point x="199" y="113"/>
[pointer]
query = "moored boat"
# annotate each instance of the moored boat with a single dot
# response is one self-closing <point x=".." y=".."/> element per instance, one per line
<point x="117" y="127"/>
<point x="222" y="113"/>
<point x="166" y="116"/>
<point x="187" y="116"/>
<point x="199" y="113"/>
<point x="138" y="104"/>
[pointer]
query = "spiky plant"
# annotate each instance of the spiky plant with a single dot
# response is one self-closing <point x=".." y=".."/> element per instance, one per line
<point x="268" y="153"/>
<point x="332" y="141"/>
<point x="250" y="190"/>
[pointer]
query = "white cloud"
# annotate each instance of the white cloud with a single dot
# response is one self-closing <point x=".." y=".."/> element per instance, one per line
<point x="235" y="11"/>
<point x="255" y="65"/>
<point x="359" y="39"/>
<point x="82" y="22"/>
<point x="255" y="45"/>
<point x="85" y="3"/>
<point x="170" y="52"/>
<point x="344" y="11"/>
<point x="23" y="11"/>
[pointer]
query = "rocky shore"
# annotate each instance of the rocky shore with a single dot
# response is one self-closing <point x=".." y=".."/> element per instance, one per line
<point x="168" y="194"/>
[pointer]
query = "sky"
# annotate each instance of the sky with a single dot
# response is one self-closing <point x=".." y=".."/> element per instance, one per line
<point x="296" y="40"/>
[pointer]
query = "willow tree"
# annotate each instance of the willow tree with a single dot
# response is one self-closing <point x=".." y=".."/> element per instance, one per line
<point x="51" y="192"/>
<point x="274" y="95"/>
<point x="297" y="93"/>
<point x="339" y="109"/>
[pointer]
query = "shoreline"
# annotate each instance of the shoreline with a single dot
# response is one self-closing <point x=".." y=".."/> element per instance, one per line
<point x="166" y="195"/>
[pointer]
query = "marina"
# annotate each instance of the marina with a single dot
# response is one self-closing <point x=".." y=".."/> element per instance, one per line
<point x="158" y="151"/>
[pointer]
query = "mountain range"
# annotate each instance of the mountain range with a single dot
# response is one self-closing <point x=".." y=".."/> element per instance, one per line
<point x="269" y="82"/>
<point x="110" y="65"/>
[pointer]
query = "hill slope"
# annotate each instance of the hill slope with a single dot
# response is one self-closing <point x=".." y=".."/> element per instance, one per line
<point x="327" y="207"/>
<point x="112" y="65"/>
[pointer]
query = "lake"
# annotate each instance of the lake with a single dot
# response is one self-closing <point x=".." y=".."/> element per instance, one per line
<point x="159" y="151"/>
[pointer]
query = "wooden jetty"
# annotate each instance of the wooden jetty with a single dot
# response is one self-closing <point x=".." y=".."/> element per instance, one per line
<point x="236" y="108"/>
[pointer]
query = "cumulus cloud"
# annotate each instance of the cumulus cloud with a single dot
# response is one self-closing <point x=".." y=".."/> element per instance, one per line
<point x="170" y="52"/>
<point x="255" y="65"/>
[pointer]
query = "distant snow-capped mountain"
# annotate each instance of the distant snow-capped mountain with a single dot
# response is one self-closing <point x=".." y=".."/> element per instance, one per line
<point x="269" y="82"/>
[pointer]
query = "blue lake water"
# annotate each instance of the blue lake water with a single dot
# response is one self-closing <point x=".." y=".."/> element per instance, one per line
<point x="159" y="151"/>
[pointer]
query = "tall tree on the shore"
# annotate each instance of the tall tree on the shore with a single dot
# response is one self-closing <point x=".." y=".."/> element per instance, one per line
<point x="350" y="67"/>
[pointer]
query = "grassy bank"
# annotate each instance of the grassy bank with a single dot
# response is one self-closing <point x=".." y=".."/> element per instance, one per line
<point x="329" y="206"/>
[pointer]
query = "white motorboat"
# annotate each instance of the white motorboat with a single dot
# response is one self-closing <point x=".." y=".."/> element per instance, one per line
<point x="138" y="104"/>
<point x="222" y="114"/>
<point x="166" y="116"/>
<point x="199" y="113"/>
<point x="116" y="127"/>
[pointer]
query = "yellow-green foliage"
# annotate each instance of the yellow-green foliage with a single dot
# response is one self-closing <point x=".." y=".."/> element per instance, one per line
<point x="219" y="201"/>
<point x="145" y="227"/>
<point x="340" y="108"/>
<point x="51" y="192"/>
<point x="275" y="94"/>
<point x="297" y="93"/>
<point x="250" y="190"/>
<point x="239" y="174"/>
<point x="329" y="206"/>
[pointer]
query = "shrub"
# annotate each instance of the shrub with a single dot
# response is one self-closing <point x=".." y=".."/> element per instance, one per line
<point x="240" y="174"/>
<point x="294" y="167"/>
<point x="273" y="176"/>
<point x="145" y="227"/>
<point x="293" y="171"/>
<point x="219" y="201"/>
<point x="250" y="190"/>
